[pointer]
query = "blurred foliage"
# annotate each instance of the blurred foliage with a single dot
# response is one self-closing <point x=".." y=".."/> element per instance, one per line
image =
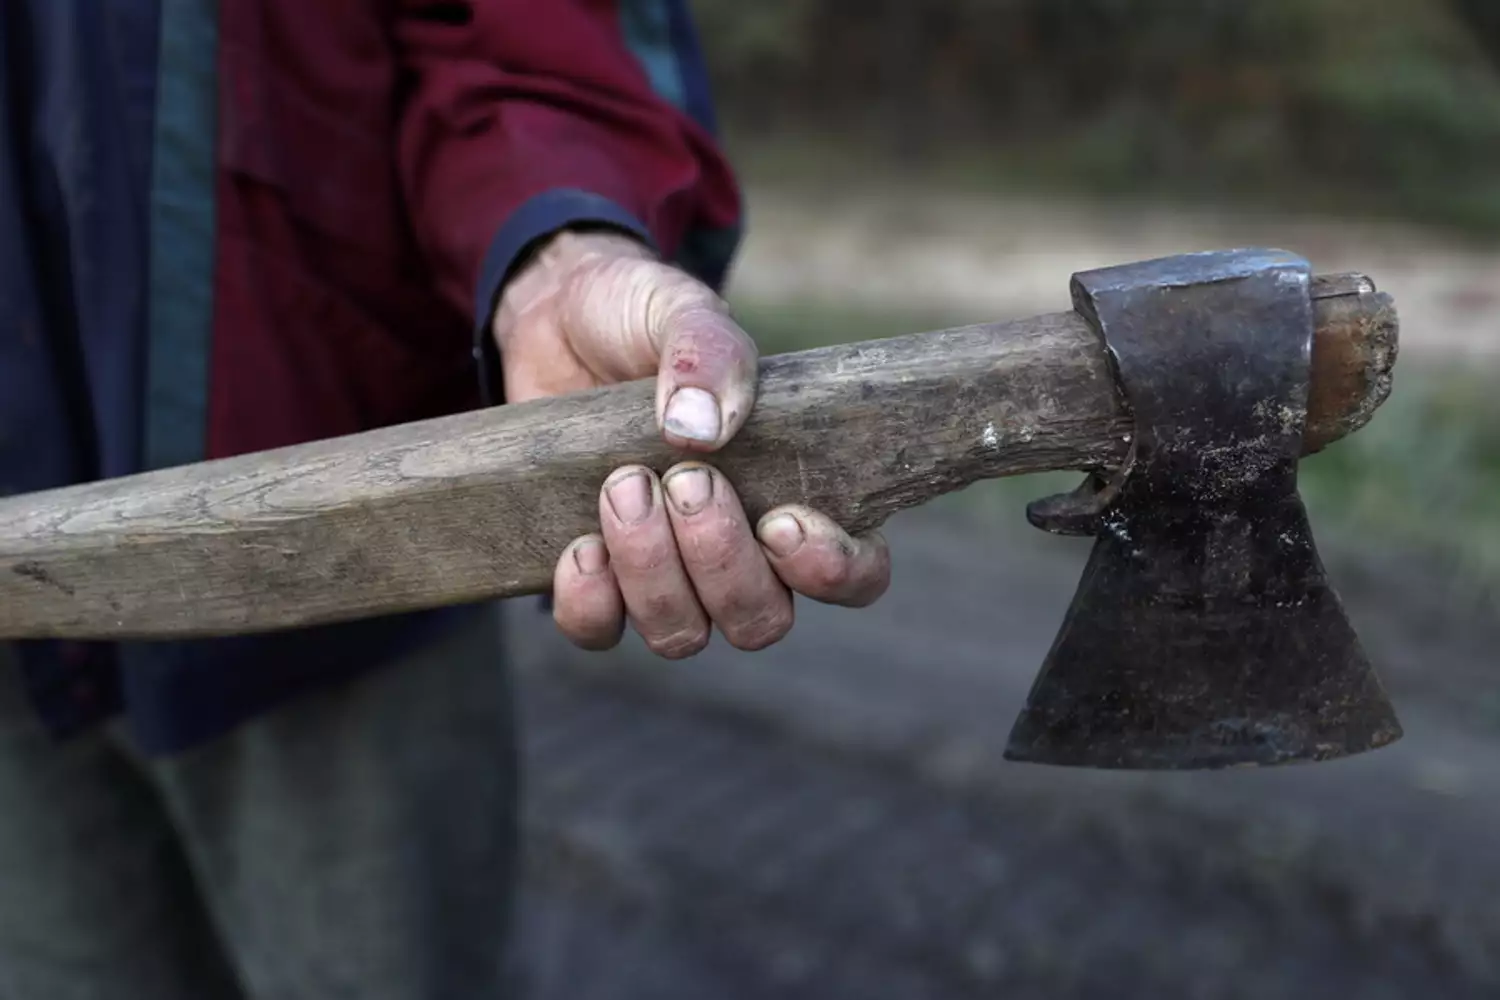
<point x="1340" y="100"/>
<point x="1424" y="473"/>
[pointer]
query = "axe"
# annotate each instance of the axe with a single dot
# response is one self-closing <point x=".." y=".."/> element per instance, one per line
<point x="1203" y="634"/>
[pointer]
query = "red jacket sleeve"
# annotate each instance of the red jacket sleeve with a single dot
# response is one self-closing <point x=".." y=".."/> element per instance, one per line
<point x="522" y="116"/>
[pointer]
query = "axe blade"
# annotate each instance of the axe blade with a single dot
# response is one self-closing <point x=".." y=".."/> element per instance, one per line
<point x="1204" y="632"/>
<point x="1164" y="662"/>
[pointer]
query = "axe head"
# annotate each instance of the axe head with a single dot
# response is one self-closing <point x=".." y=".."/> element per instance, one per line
<point x="1204" y="633"/>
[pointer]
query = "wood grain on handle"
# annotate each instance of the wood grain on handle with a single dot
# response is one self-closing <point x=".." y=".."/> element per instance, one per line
<point x="481" y="504"/>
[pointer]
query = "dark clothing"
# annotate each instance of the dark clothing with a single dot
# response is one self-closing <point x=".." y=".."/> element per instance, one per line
<point x="360" y="842"/>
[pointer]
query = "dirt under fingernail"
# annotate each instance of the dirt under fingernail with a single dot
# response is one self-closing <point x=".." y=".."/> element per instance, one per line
<point x="591" y="557"/>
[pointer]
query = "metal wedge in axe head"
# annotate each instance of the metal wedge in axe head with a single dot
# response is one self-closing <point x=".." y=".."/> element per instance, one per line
<point x="1204" y="632"/>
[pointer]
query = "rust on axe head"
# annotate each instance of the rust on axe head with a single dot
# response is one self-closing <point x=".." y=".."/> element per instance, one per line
<point x="1204" y="632"/>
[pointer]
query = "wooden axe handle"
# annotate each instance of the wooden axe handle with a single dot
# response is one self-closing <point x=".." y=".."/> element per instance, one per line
<point x="481" y="505"/>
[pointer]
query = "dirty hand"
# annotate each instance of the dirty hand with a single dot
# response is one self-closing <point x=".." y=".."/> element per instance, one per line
<point x="675" y="554"/>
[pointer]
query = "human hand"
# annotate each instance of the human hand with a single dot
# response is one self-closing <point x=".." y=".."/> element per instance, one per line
<point x="676" y="554"/>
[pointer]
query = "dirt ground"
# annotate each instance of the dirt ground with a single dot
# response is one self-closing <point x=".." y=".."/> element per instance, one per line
<point x="834" y="813"/>
<point x="832" y="818"/>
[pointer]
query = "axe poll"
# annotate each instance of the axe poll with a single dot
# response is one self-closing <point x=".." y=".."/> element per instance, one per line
<point x="480" y="505"/>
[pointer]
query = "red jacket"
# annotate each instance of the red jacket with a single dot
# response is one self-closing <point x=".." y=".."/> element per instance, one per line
<point x="288" y="220"/>
<point x="374" y="153"/>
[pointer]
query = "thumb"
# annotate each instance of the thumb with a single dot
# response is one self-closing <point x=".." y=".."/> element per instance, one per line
<point x="705" y="386"/>
<point x="633" y="314"/>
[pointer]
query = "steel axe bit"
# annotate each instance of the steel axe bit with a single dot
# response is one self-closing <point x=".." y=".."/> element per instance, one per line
<point x="479" y="505"/>
<point x="1204" y="632"/>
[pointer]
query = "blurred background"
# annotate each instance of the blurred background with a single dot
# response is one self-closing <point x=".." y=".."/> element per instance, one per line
<point x="832" y="818"/>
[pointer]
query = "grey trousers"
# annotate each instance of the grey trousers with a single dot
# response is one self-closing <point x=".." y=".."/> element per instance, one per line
<point x="358" y="843"/>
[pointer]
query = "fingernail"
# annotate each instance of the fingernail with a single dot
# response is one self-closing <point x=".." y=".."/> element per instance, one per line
<point x="782" y="534"/>
<point x="693" y="414"/>
<point x="630" y="498"/>
<point x="690" y="489"/>
<point x="590" y="557"/>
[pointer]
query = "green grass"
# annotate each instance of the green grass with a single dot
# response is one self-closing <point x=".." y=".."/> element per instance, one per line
<point x="1421" y="479"/>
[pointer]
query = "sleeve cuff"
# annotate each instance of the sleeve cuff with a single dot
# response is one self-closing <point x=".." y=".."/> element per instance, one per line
<point x="538" y="217"/>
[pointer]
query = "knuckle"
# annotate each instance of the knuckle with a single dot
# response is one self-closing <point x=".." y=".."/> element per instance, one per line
<point x="595" y="632"/>
<point x="661" y="607"/>
<point x="680" y="644"/>
<point x="764" y="630"/>
<point x="830" y="574"/>
<point x="707" y="342"/>
<point x="867" y="591"/>
<point x="677" y="294"/>
<point x="596" y="641"/>
<point x="717" y="546"/>
<point x="645" y="552"/>
<point x="603" y="289"/>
